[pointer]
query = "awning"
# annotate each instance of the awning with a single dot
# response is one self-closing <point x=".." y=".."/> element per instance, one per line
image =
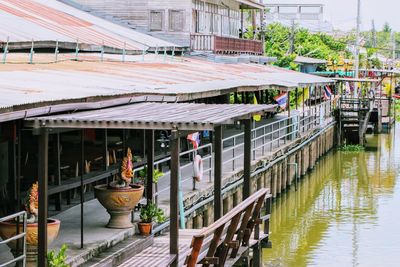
<point x="361" y="80"/>
<point x="251" y="4"/>
<point x="157" y="116"/>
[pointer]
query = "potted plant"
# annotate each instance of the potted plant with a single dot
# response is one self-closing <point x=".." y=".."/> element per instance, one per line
<point x="148" y="214"/>
<point x="121" y="196"/>
<point x="8" y="229"/>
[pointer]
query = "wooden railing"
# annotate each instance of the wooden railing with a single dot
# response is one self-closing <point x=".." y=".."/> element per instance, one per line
<point x="225" y="45"/>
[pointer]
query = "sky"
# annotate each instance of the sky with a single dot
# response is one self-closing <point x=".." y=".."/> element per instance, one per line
<point x="342" y="13"/>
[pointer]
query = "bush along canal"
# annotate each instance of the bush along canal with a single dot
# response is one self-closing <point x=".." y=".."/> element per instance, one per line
<point x="344" y="213"/>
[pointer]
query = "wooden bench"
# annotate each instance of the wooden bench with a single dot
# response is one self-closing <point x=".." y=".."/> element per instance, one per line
<point x="220" y="244"/>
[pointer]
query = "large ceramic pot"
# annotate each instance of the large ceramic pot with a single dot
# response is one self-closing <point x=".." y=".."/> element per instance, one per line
<point x="119" y="203"/>
<point x="8" y="229"/>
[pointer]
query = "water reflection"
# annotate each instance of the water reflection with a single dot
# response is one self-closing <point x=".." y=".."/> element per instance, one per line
<point x="344" y="213"/>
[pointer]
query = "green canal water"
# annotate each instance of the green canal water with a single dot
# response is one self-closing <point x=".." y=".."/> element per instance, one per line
<point x="346" y="212"/>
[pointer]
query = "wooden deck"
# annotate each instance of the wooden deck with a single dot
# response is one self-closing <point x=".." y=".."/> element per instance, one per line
<point x="158" y="254"/>
<point x="222" y="243"/>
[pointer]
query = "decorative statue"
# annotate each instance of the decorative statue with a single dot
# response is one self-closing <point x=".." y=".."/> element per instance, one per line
<point x="32" y="204"/>
<point x="126" y="172"/>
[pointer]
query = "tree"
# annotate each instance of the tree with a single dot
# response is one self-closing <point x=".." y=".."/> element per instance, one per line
<point x="316" y="45"/>
<point x="386" y="28"/>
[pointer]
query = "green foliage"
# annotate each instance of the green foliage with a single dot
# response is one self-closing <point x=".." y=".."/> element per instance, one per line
<point x="157" y="174"/>
<point x="57" y="260"/>
<point x="397" y="109"/>
<point x="383" y="41"/>
<point x="351" y="148"/>
<point x="151" y="213"/>
<point x="386" y="27"/>
<point x="316" y="45"/>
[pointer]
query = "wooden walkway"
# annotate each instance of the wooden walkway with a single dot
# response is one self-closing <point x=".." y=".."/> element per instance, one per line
<point x="222" y="243"/>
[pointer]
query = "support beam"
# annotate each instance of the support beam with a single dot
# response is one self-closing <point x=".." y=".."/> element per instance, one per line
<point x="247" y="159"/>
<point x="81" y="187"/>
<point x="43" y="203"/>
<point x="57" y="171"/>
<point x="218" y="173"/>
<point x="174" y="182"/>
<point x="150" y="165"/>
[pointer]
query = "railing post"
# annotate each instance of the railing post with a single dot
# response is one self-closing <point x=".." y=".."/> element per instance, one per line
<point x="263" y="146"/>
<point x="233" y="153"/>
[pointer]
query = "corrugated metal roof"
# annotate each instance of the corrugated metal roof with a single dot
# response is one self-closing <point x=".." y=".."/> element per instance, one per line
<point x="182" y="116"/>
<point x="356" y="80"/>
<point x="252" y="4"/>
<point x="309" y="60"/>
<point x="32" y="85"/>
<point x="49" y="20"/>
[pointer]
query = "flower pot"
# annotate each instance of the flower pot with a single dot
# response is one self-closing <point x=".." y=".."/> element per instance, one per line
<point x="119" y="203"/>
<point x="8" y="229"/>
<point x="145" y="228"/>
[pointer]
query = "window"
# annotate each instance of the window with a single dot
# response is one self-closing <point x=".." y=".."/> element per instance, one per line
<point x="156" y="20"/>
<point x="176" y="20"/>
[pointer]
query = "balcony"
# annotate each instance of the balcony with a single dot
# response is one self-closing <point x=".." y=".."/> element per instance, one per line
<point x="225" y="45"/>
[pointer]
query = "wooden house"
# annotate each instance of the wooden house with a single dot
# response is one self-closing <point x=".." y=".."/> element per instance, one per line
<point x="206" y="25"/>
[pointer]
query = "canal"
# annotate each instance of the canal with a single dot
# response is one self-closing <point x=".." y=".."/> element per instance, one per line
<point x="346" y="212"/>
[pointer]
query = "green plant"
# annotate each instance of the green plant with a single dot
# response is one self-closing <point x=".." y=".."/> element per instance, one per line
<point x="351" y="148"/>
<point x="57" y="260"/>
<point x="151" y="213"/>
<point x="157" y="174"/>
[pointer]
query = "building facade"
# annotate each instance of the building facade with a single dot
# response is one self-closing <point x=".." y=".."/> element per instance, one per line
<point x="181" y="21"/>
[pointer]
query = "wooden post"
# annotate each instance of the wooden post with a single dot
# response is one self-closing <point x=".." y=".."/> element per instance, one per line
<point x="43" y="204"/>
<point x="247" y="159"/>
<point x="174" y="182"/>
<point x="82" y="173"/>
<point x="150" y="164"/>
<point x="58" y="170"/>
<point x="288" y="103"/>
<point x="218" y="173"/>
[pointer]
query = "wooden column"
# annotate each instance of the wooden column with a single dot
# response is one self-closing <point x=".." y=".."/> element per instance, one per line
<point x="218" y="173"/>
<point x="43" y="203"/>
<point x="247" y="159"/>
<point x="81" y="188"/>
<point x="150" y="165"/>
<point x="288" y="103"/>
<point x="174" y="187"/>
<point x="58" y="170"/>
<point x="297" y="98"/>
